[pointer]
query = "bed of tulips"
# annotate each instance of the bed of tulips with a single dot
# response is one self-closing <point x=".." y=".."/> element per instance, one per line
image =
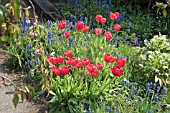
<point x="79" y="68"/>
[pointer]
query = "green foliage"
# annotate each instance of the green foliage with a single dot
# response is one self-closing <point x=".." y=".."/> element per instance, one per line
<point x="161" y="6"/>
<point x="154" y="63"/>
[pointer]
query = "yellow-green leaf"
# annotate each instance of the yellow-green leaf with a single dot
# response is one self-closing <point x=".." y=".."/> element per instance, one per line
<point x="15" y="99"/>
<point x="164" y="12"/>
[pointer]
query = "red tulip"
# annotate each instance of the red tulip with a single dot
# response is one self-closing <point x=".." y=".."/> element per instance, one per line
<point x="66" y="34"/>
<point x="103" y="20"/>
<point x="120" y="62"/>
<point x="86" y="29"/>
<point x="116" y="27"/>
<point x="99" y="66"/>
<point x="68" y="53"/>
<point x="98" y="18"/>
<point x="60" y="59"/>
<point x="65" y="70"/>
<point x="98" y="31"/>
<point x="61" y="25"/>
<point x="116" y="71"/>
<point x="90" y="67"/>
<point x="57" y="70"/>
<point x="94" y="73"/>
<point x="79" y="26"/>
<point x="86" y="72"/>
<point x="114" y="16"/>
<point x="108" y="35"/>
<point x="52" y="60"/>
<point x="107" y="58"/>
<point x="73" y="61"/>
<point x="79" y="65"/>
<point x="85" y="61"/>
<point x="112" y="59"/>
<point x="68" y="61"/>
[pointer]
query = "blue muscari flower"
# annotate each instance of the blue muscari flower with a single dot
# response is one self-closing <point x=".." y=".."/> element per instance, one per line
<point x="118" y="111"/>
<point x="89" y="110"/>
<point x="150" y="111"/>
<point x="121" y="17"/>
<point x="137" y="92"/>
<point x="107" y="109"/>
<point x="125" y="99"/>
<point x="71" y="17"/>
<point x="55" y="47"/>
<point x="115" y="110"/>
<point x="135" y="84"/>
<point x="130" y="104"/>
<point x="49" y="34"/>
<point x="128" y="20"/>
<point x="156" y="99"/>
<point x="27" y="63"/>
<point x="148" y="87"/>
<point x="29" y="46"/>
<point x="31" y="55"/>
<point x="46" y="53"/>
<point x="163" y="90"/>
<point x="154" y="86"/>
<point x="123" y="82"/>
<point x="71" y="41"/>
<point x="127" y="84"/>
<point x="114" y="53"/>
<point x="158" y="89"/>
<point x="81" y="18"/>
<point x="26" y="54"/>
<point x="140" y="100"/>
<point x="151" y="84"/>
<point x="49" y="40"/>
<point x="21" y="24"/>
<point x="132" y="89"/>
<point x="25" y="29"/>
<point x="135" y="41"/>
<point x="75" y="20"/>
<point x="94" y="25"/>
<point x="49" y="22"/>
<point x="117" y="92"/>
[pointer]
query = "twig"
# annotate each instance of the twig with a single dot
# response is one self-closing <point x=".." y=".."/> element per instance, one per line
<point x="8" y="80"/>
<point x="32" y="7"/>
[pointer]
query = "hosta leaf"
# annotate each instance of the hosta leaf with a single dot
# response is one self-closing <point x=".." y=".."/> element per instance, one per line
<point x="15" y="99"/>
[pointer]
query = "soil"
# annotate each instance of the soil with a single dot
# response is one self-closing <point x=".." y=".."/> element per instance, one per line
<point x="7" y="90"/>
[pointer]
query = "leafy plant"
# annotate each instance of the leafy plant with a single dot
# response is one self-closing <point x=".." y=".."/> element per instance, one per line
<point x="154" y="60"/>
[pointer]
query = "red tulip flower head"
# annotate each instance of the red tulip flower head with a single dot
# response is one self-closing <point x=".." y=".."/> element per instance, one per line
<point x="68" y="53"/>
<point x="107" y="58"/>
<point x="94" y="73"/>
<point x="61" y="25"/>
<point x="86" y="29"/>
<point x="98" y="31"/>
<point x="65" y="70"/>
<point x="79" y="65"/>
<point x="57" y="71"/>
<point x="114" y="16"/>
<point x="120" y="62"/>
<point x="91" y="68"/>
<point x="116" y="71"/>
<point x="98" y="18"/>
<point x="116" y="27"/>
<point x="103" y="20"/>
<point x="79" y="26"/>
<point x="52" y="60"/>
<point x="85" y="61"/>
<point x="60" y="59"/>
<point x="108" y="35"/>
<point x="66" y="34"/>
<point x="99" y="66"/>
<point x="86" y="72"/>
<point x="73" y="61"/>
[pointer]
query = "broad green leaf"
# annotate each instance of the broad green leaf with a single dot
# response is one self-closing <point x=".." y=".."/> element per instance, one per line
<point x="73" y="100"/>
<point x="4" y="38"/>
<point x="22" y="95"/>
<point x="15" y="100"/>
<point x="164" y="12"/>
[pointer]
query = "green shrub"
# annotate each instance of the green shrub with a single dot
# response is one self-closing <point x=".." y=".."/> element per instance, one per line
<point x="154" y="60"/>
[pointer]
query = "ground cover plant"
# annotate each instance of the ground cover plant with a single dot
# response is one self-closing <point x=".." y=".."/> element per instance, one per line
<point x="77" y="66"/>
